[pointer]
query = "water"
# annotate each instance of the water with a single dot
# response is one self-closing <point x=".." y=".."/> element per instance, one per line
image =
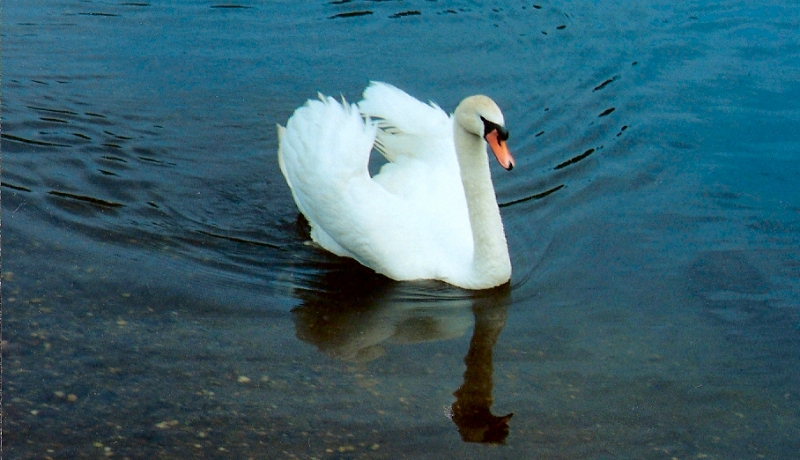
<point x="160" y="300"/>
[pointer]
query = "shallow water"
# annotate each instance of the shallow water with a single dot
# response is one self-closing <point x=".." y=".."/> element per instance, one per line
<point x="160" y="300"/>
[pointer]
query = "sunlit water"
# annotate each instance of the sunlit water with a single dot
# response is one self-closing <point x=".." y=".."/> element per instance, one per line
<point x="160" y="299"/>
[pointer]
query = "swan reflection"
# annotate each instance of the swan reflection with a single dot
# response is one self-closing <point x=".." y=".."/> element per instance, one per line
<point x="349" y="313"/>
<point x="472" y="410"/>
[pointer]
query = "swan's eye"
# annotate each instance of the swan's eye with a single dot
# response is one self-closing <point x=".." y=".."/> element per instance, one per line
<point x="489" y="126"/>
<point x="502" y="133"/>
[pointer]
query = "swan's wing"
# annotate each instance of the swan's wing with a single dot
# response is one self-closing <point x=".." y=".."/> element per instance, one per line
<point x="323" y="154"/>
<point x="408" y="127"/>
<point x="417" y="139"/>
<point x="323" y="149"/>
<point x="325" y="138"/>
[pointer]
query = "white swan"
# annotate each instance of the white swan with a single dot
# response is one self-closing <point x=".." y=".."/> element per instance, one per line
<point x="431" y="212"/>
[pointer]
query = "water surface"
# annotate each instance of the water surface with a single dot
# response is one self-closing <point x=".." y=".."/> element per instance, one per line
<point x="160" y="299"/>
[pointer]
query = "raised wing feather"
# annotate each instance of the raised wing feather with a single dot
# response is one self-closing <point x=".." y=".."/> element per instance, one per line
<point x="408" y="127"/>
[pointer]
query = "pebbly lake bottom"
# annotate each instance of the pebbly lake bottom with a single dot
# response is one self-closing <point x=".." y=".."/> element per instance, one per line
<point x="624" y="348"/>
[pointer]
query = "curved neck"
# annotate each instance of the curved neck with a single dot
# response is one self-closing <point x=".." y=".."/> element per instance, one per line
<point x="491" y="263"/>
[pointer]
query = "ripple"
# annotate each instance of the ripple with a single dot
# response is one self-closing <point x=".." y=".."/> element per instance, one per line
<point x="87" y="199"/>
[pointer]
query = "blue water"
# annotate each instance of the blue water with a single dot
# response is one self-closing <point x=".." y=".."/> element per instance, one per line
<point x="160" y="299"/>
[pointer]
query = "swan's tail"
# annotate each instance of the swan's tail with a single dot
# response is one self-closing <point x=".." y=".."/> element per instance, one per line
<point x="324" y="146"/>
<point x="403" y="120"/>
<point x="325" y="139"/>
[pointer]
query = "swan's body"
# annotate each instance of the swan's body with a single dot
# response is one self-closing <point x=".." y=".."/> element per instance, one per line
<point x="431" y="212"/>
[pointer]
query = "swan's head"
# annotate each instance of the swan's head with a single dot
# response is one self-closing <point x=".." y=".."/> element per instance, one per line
<point x="480" y="116"/>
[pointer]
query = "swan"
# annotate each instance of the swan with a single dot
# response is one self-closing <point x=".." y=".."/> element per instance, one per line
<point x="431" y="211"/>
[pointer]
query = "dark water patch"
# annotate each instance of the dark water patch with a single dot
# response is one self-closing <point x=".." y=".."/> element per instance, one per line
<point x="118" y="136"/>
<point x="53" y="120"/>
<point x="238" y="240"/>
<point x="766" y="339"/>
<point x="604" y="84"/>
<point x="15" y="187"/>
<point x="722" y="195"/>
<point x="561" y="27"/>
<point x="606" y="112"/>
<point x="134" y="4"/>
<point x="680" y="144"/>
<point x="575" y="159"/>
<point x="622" y="130"/>
<point x="100" y="14"/>
<point x="23" y="140"/>
<point x="405" y="13"/>
<point x="230" y="6"/>
<point x="149" y="151"/>
<point x="82" y="136"/>
<point x="775" y="227"/>
<point x="113" y="158"/>
<point x="726" y="271"/>
<point x="351" y="14"/>
<point x="743" y="303"/>
<point x="108" y="173"/>
<point x="87" y="199"/>
<point x="536" y="196"/>
<point x="156" y="161"/>
<point x="50" y="110"/>
<point x="96" y="115"/>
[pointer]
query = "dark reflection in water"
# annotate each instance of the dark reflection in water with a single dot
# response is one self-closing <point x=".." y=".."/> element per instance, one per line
<point x="472" y="409"/>
<point x="349" y="312"/>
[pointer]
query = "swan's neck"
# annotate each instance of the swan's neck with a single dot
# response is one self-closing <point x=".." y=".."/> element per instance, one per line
<point x="491" y="264"/>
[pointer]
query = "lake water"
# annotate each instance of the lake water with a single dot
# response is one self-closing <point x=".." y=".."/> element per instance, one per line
<point x="160" y="299"/>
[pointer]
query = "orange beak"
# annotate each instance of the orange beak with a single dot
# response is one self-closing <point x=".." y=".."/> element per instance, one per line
<point x="500" y="150"/>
